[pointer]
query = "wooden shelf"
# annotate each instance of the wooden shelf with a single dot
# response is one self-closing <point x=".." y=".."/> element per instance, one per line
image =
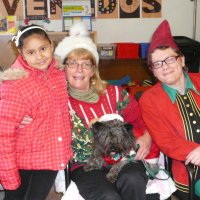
<point x="116" y="69"/>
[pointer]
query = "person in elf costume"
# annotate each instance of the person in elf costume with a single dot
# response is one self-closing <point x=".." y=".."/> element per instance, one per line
<point x="170" y="108"/>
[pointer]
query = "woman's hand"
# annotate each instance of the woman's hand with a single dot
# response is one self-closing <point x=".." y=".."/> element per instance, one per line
<point x="144" y="142"/>
<point x="25" y="121"/>
<point x="193" y="157"/>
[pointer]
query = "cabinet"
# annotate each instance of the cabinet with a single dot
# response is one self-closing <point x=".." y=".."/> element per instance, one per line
<point x="191" y="50"/>
<point x="137" y="69"/>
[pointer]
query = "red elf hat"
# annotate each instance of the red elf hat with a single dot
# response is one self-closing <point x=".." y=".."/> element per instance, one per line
<point x="162" y="37"/>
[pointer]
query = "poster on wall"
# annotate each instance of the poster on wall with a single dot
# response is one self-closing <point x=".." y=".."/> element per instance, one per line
<point x="129" y="9"/>
<point x="151" y="8"/>
<point x="107" y="9"/>
<point x="11" y="8"/>
<point x="8" y="24"/>
<point x="36" y="10"/>
<point x="76" y="8"/>
<point x="75" y="11"/>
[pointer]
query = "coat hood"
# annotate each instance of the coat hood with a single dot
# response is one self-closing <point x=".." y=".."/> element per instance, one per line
<point x="13" y="74"/>
<point x="20" y="70"/>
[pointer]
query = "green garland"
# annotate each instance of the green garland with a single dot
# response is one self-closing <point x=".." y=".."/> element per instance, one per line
<point x="81" y="140"/>
<point x="125" y="101"/>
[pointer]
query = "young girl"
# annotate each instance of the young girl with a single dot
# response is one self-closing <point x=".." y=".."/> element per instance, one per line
<point x="33" y="86"/>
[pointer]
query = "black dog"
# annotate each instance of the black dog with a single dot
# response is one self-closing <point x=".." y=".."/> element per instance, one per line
<point x="114" y="142"/>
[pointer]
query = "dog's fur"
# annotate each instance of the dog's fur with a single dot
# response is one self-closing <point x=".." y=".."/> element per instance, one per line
<point x="112" y="136"/>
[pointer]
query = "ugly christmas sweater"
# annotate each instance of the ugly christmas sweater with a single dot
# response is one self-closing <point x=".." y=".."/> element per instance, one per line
<point x="115" y="100"/>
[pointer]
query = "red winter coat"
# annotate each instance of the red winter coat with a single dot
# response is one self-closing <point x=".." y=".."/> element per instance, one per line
<point x="43" y="144"/>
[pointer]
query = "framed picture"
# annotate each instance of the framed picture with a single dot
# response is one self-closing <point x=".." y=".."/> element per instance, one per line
<point x="8" y="24"/>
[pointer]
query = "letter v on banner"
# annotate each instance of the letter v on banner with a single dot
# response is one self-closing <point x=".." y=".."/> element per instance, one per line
<point x="11" y="9"/>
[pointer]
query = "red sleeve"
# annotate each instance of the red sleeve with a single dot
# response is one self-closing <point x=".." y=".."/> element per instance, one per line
<point x="164" y="134"/>
<point x="11" y="112"/>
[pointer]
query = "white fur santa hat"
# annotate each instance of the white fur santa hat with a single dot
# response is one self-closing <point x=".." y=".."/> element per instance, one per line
<point x="78" y="38"/>
<point x="109" y="117"/>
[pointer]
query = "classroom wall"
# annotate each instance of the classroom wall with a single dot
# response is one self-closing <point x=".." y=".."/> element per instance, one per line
<point x="198" y="21"/>
<point x="179" y="13"/>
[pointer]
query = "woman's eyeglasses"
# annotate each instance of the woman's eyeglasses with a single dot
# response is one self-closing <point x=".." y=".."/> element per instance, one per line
<point x="168" y="60"/>
<point x="75" y="65"/>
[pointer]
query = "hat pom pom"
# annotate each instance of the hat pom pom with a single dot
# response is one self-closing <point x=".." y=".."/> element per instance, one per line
<point x="79" y="29"/>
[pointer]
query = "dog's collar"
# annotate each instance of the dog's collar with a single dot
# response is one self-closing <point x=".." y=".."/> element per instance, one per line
<point x="130" y="156"/>
<point x="110" y="160"/>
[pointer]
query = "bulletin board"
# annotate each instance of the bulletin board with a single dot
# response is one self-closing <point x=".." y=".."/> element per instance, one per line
<point x="102" y="9"/>
<point x="32" y="9"/>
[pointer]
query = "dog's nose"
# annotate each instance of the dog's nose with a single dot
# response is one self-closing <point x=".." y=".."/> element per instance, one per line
<point x="114" y="149"/>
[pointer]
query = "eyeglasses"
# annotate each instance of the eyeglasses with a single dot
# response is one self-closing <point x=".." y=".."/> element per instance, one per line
<point x="168" y="60"/>
<point x="75" y="65"/>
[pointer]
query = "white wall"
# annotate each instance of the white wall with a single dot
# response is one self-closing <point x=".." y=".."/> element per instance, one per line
<point x="179" y="13"/>
<point x="198" y="21"/>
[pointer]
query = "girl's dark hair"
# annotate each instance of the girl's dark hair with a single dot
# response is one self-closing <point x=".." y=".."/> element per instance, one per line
<point x="31" y="32"/>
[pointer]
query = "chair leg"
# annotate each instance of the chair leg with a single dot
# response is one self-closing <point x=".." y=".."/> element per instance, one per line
<point x="190" y="169"/>
<point x="67" y="176"/>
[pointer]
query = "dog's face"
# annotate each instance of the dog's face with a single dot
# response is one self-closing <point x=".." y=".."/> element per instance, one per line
<point x="113" y="137"/>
